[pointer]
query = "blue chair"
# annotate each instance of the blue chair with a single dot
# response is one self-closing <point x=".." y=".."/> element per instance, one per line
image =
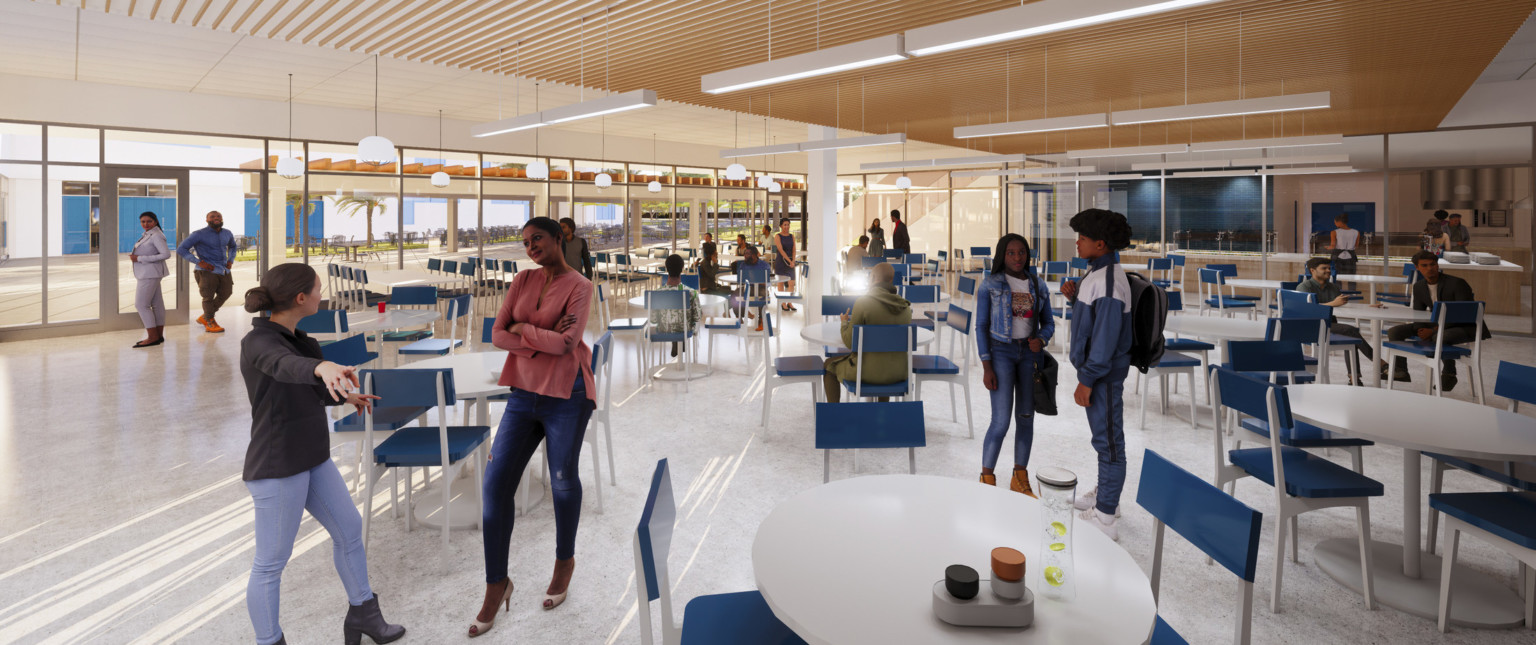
<point x="936" y="367"/>
<point x="902" y="274"/>
<point x="671" y="300"/>
<point x="434" y="265"/>
<point x="1302" y="482"/>
<point x="983" y="257"/>
<point x="1291" y="296"/>
<point x="1429" y="354"/>
<point x="921" y="294"/>
<point x="691" y="280"/>
<point x="851" y="426"/>
<point x="743" y="617"/>
<point x="894" y="254"/>
<point x="1179" y="261"/>
<point x="351" y="351"/>
<point x="1506" y="520"/>
<point x="832" y="307"/>
<point x="1213" y="282"/>
<point x="1054" y="269"/>
<point x="1225" y="529"/>
<point x="1517" y="383"/>
<point x="878" y="339"/>
<point x="1079" y="264"/>
<point x="872" y="261"/>
<point x="458" y="309"/>
<point x="1282" y="357"/>
<point x="421" y="446"/>
<point x="1410" y="276"/>
<point x="1163" y="265"/>
<point x="417" y="297"/>
<point x="1280" y="360"/>
<point x="917" y="262"/>
<point x="1229" y="271"/>
<point x="1199" y="348"/>
<point x="792" y="370"/>
<point x="329" y="322"/>
<point x="1171" y="364"/>
<point x="602" y="373"/>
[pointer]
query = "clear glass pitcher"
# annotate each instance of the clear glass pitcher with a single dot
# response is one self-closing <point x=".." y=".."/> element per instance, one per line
<point x="1057" y="580"/>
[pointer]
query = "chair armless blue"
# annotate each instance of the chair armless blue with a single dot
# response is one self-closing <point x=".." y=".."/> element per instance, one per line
<point x="880" y="339"/>
<point x="1429" y="354"/>
<point x="937" y="367"/>
<point x="1517" y="383"/>
<point x="855" y="425"/>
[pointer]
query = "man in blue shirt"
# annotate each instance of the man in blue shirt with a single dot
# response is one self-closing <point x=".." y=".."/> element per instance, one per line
<point x="212" y="249"/>
<point x="1101" y="354"/>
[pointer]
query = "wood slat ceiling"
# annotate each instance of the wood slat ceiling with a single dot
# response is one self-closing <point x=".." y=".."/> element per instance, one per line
<point x="1392" y="65"/>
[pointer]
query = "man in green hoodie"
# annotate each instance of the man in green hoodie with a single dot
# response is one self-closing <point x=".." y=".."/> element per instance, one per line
<point x="881" y="306"/>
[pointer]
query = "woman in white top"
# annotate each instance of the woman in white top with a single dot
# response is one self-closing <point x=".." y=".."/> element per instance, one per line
<point x="148" y="257"/>
<point x="1342" y="241"/>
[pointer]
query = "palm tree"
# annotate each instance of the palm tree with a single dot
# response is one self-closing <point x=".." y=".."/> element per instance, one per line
<point x="296" y="205"/>
<point x="368" y="204"/>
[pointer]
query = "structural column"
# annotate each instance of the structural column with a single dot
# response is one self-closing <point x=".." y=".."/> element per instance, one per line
<point x="453" y="226"/>
<point x="820" y="220"/>
<point x="695" y="222"/>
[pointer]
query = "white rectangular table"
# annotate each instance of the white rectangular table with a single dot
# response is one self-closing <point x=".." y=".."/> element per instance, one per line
<point x="1371" y="281"/>
<point x="1374" y="315"/>
<point x="409" y="278"/>
<point x="1269" y="287"/>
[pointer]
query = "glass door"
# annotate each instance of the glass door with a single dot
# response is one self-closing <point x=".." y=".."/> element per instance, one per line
<point x="127" y="194"/>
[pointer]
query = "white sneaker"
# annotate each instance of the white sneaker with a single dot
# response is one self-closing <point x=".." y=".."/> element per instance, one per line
<point x="1101" y="521"/>
<point x="1089" y="500"/>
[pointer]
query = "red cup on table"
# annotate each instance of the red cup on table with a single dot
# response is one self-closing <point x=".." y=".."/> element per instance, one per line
<point x="381" y="307"/>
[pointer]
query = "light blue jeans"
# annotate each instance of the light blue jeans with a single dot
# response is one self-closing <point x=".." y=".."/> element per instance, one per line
<point x="280" y="506"/>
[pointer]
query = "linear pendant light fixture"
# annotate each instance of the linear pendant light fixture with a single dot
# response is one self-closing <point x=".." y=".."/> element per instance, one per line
<point x="1239" y="107"/>
<point x="1259" y="144"/>
<point x="1290" y="161"/>
<point x="1169" y="149"/>
<point x="894" y="138"/>
<point x="631" y="100"/>
<point x="831" y="60"/>
<point x="1033" y="19"/>
<point x="1053" y="124"/>
<point x="1025" y="172"/>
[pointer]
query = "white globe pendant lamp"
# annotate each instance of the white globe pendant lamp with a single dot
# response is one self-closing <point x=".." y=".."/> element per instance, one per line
<point x="735" y="172"/>
<point x="538" y="170"/>
<point x="903" y="182"/>
<point x="775" y="187"/>
<point x="440" y="179"/>
<point x="603" y="180"/>
<point x="764" y="181"/>
<point x="376" y="149"/>
<point x="290" y="167"/>
<point x="654" y="186"/>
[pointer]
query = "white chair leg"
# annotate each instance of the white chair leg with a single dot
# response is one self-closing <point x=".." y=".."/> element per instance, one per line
<point x="1436" y="483"/>
<point x="826" y="466"/>
<point x="1368" y="583"/>
<point x="1447" y="568"/>
<point x="1192" y="401"/>
<point x="1280" y="532"/>
<point x="970" y="424"/>
<point x="446" y="483"/>
<point x="1295" y="537"/>
<point x="597" y="477"/>
<point x="1143" y="404"/>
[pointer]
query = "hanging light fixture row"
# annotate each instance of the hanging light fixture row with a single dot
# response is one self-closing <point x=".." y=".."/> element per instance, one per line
<point x="1033" y="19"/>
<point x="610" y="104"/>
<point x="1025" y="172"/>
<point x="1241" y="107"/>
<point x="894" y="138"/>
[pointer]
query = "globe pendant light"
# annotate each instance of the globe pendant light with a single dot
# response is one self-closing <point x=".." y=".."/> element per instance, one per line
<point x="538" y="169"/>
<point x="654" y="186"/>
<point x="290" y="167"/>
<point x="440" y="178"/>
<point x="376" y="149"/>
<point x="775" y="187"/>
<point x="764" y="181"/>
<point x="736" y="171"/>
<point x="603" y="180"/>
<point x="903" y="182"/>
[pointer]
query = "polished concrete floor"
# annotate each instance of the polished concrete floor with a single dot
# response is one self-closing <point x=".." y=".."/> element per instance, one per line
<point x="123" y="517"/>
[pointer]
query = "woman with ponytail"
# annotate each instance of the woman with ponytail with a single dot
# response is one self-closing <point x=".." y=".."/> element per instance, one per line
<point x="288" y="466"/>
<point x="148" y="258"/>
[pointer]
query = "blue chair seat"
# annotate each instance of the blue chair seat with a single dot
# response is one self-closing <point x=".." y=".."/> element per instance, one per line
<point x="1187" y="345"/>
<point x="405" y="336"/>
<point x="931" y="364"/>
<point x="1306" y="435"/>
<point x="938" y="316"/>
<point x="1511" y="516"/>
<point x="1423" y="348"/>
<point x="627" y="323"/>
<point x="831" y="351"/>
<point x="1335" y="339"/>
<point x="922" y="323"/>
<point x="383" y="419"/>
<point x="417" y="446"/>
<point x="1301" y="377"/>
<point x="1484" y="471"/>
<point x="1174" y="360"/>
<point x="870" y="389"/>
<point x="1229" y="302"/>
<point x="742" y="617"/>
<point x="1163" y="634"/>
<point x="1306" y="475"/>
<point x="799" y="366"/>
<point x="1064" y="314"/>
<point x="1253" y="298"/>
<point x="438" y="346"/>
<point x="670" y="337"/>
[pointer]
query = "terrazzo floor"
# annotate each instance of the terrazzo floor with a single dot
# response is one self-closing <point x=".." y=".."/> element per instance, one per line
<point x="123" y="518"/>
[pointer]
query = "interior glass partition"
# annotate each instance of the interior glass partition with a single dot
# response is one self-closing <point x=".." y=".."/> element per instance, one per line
<point x="21" y="142"/>
<point x="73" y="198"/>
<point x="21" y="243"/>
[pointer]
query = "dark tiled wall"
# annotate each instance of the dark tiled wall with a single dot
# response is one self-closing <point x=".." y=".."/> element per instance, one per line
<point x="1198" y="207"/>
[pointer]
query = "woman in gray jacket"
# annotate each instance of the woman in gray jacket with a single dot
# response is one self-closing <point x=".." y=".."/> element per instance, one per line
<point x="148" y="257"/>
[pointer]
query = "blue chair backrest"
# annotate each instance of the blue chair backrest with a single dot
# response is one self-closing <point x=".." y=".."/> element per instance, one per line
<point x="325" y="321"/>
<point x="1159" y="264"/>
<point x="486" y="325"/>
<point x="981" y="251"/>
<point x="458" y="307"/>
<point x="1175" y="301"/>
<point x="869" y="261"/>
<point x="1290" y="297"/>
<point x="1080" y="264"/>
<point x="883" y="338"/>
<point x="467" y="269"/>
<point x="894" y="254"/>
<point x="1225" y="529"/>
<point x="1290" y="284"/>
<point x="835" y="305"/>
<point x="1178" y="259"/>
<point x="967" y="286"/>
<point x="346" y="272"/>
<point x="450" y="266"/>
<point x="958" y="320"/>
<point x="902" y="272"/>
<point x="1227" y="270"/>
<point x="602" y="350"/>
<point x="943" y="256"/>
<point x="1310" y="310"/>
<point x="421" y="295"/>
<point x="659" y="254"/>
<point x="1057" y="268"/>
<point x="350" y="351"/>
<point x="1266" y="356"/>
<point x="333" y="270"/>
<point x="1457" y="313"/>
<point x="921" y="294"/>
<point x="896" y="424"/>
<point x="915" y="258"/>
<point x="602" y="256"/>
<point x="1516" y="382"/>
<point x="1211" y="276"/>
<point x="666" y="299"/>
<point x="508" y="266"/>
<point x="403" y="388"/>
<point x="1411" y="272"/>
<point x="690" y="280"/>
<point x="752" y="274"/>
<point x="654" y="534"/>
<point x="1305" y="330"/>
<point x="434" y="264"/>
<point x="1250" y="395"/>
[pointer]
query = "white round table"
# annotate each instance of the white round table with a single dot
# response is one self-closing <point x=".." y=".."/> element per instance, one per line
<point x="1269" y="287"/>
<point x="1406" y="578"/>
<point x="732" y="278"/>
<point x="831" y="334"/>
<point x="707" y="302"/>
<point x="1372" y="281"/>
<point x="854" y="561"/>
<point x="1375" y="315"/>
<point x="372" y="320"/>
<point x="677" y="370"/>
<point x="1216" y="328"/>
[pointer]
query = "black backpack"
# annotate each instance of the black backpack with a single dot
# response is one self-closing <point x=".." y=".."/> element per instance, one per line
<point x="1149" y="311"/>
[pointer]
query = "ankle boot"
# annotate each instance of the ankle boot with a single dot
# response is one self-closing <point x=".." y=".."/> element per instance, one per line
<point x="1020" y="483"/>
<point x="989" y="479"/>
<point x="367" y="619"/>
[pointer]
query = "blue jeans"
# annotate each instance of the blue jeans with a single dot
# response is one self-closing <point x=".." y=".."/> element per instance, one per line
<point x="1014" y="397"/>
<point x="280" y="505"/>
<point x="530" y="418"/>
<point x="1106" y="418"/>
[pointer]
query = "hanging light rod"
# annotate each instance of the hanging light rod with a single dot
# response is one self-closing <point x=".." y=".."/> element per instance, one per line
<point x="1216" y="173"/>
<point x="831" y="60"/>
<point x="1315" y="170"/>
<point x="895" y="138"/>
<point x="1170" y="149"/>
<point x="946" y="162"/>
<point x="1025" y="172"/>
<point x="1053" y="124"/>
<point x="1181" y="165"/>
<point x="584" y="110"/>
<point x="1239" y="107"/>
<point x="1290" y="161"/>
<point x="1062" y="180"/>
<point x="1259" y="144"/>
<point x="1033" y="19"/>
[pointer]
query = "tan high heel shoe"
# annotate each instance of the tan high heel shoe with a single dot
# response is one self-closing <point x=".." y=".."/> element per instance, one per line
<point x="478" y="628"/>
<point x="552" y="601"/>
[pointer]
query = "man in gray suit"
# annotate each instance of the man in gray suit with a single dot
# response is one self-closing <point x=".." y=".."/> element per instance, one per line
<point x="1435" y="287"/>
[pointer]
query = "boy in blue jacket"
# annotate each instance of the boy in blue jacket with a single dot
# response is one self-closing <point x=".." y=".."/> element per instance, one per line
<point x="1101" y="354"/>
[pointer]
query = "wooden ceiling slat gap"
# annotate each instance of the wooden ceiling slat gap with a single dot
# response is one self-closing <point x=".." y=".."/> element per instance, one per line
<point x="535" y="30"/>
<point x="369" y="7"/>
<point x="306" y="22"/>
<point x="385" y="14"/>
<point x="379" y="40"/>
<point x="300" y="9"/>
<point x="450" y="26"/>
<point x="326" y="24"/>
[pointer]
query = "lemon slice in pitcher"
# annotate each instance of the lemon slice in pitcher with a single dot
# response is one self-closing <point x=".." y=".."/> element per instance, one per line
<point x="1057" y="528"/>
<point x="1053" y="575"/>
<point x="1058" y="546"/>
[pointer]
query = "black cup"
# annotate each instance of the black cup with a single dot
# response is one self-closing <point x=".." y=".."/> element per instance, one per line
<point x="961" y="581"/>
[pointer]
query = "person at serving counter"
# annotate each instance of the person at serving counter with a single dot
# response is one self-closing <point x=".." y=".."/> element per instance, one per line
<point x="1435" y="287"/>
<point x="880" y="306"/>
<point x="1329" y="293"/>
<point x="1456" y="235"/>
<point x="1341" y="245"/>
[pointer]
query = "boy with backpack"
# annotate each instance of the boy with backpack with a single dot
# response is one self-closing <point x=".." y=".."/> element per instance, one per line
<point x="1101" y="353"/>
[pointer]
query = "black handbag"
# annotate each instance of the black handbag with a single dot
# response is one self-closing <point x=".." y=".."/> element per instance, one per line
<point x="1045" y="384"/>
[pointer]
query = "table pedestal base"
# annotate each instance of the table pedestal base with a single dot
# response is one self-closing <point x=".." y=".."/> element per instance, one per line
<point x="679" y="372"/>
<point x="461" y="499"/>
<point x="1479" y="600"/>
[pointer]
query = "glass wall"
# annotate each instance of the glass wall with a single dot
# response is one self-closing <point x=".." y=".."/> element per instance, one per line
<point x="21" y="232"/>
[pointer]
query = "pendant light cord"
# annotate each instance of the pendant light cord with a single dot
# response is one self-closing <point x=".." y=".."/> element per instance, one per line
<point x="375" y="95"/>
<point x="290" y="115"/>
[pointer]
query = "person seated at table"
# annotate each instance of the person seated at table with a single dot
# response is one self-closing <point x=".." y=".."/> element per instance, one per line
<point x="672" y="321"/>
<point x="1329" y="293"/>
<point x="1435" y="287"/>
<point x="741" y="251"/>
<point x="881" y="306"/>
<point x="709" y="272"/>
<point x="739" y="297"/>
<point x="856" y="255"/>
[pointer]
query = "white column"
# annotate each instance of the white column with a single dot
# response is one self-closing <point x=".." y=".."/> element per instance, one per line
<point x="821" y="220"/>
<point x="695" y="222"/>
<point x="453" y="226"/>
